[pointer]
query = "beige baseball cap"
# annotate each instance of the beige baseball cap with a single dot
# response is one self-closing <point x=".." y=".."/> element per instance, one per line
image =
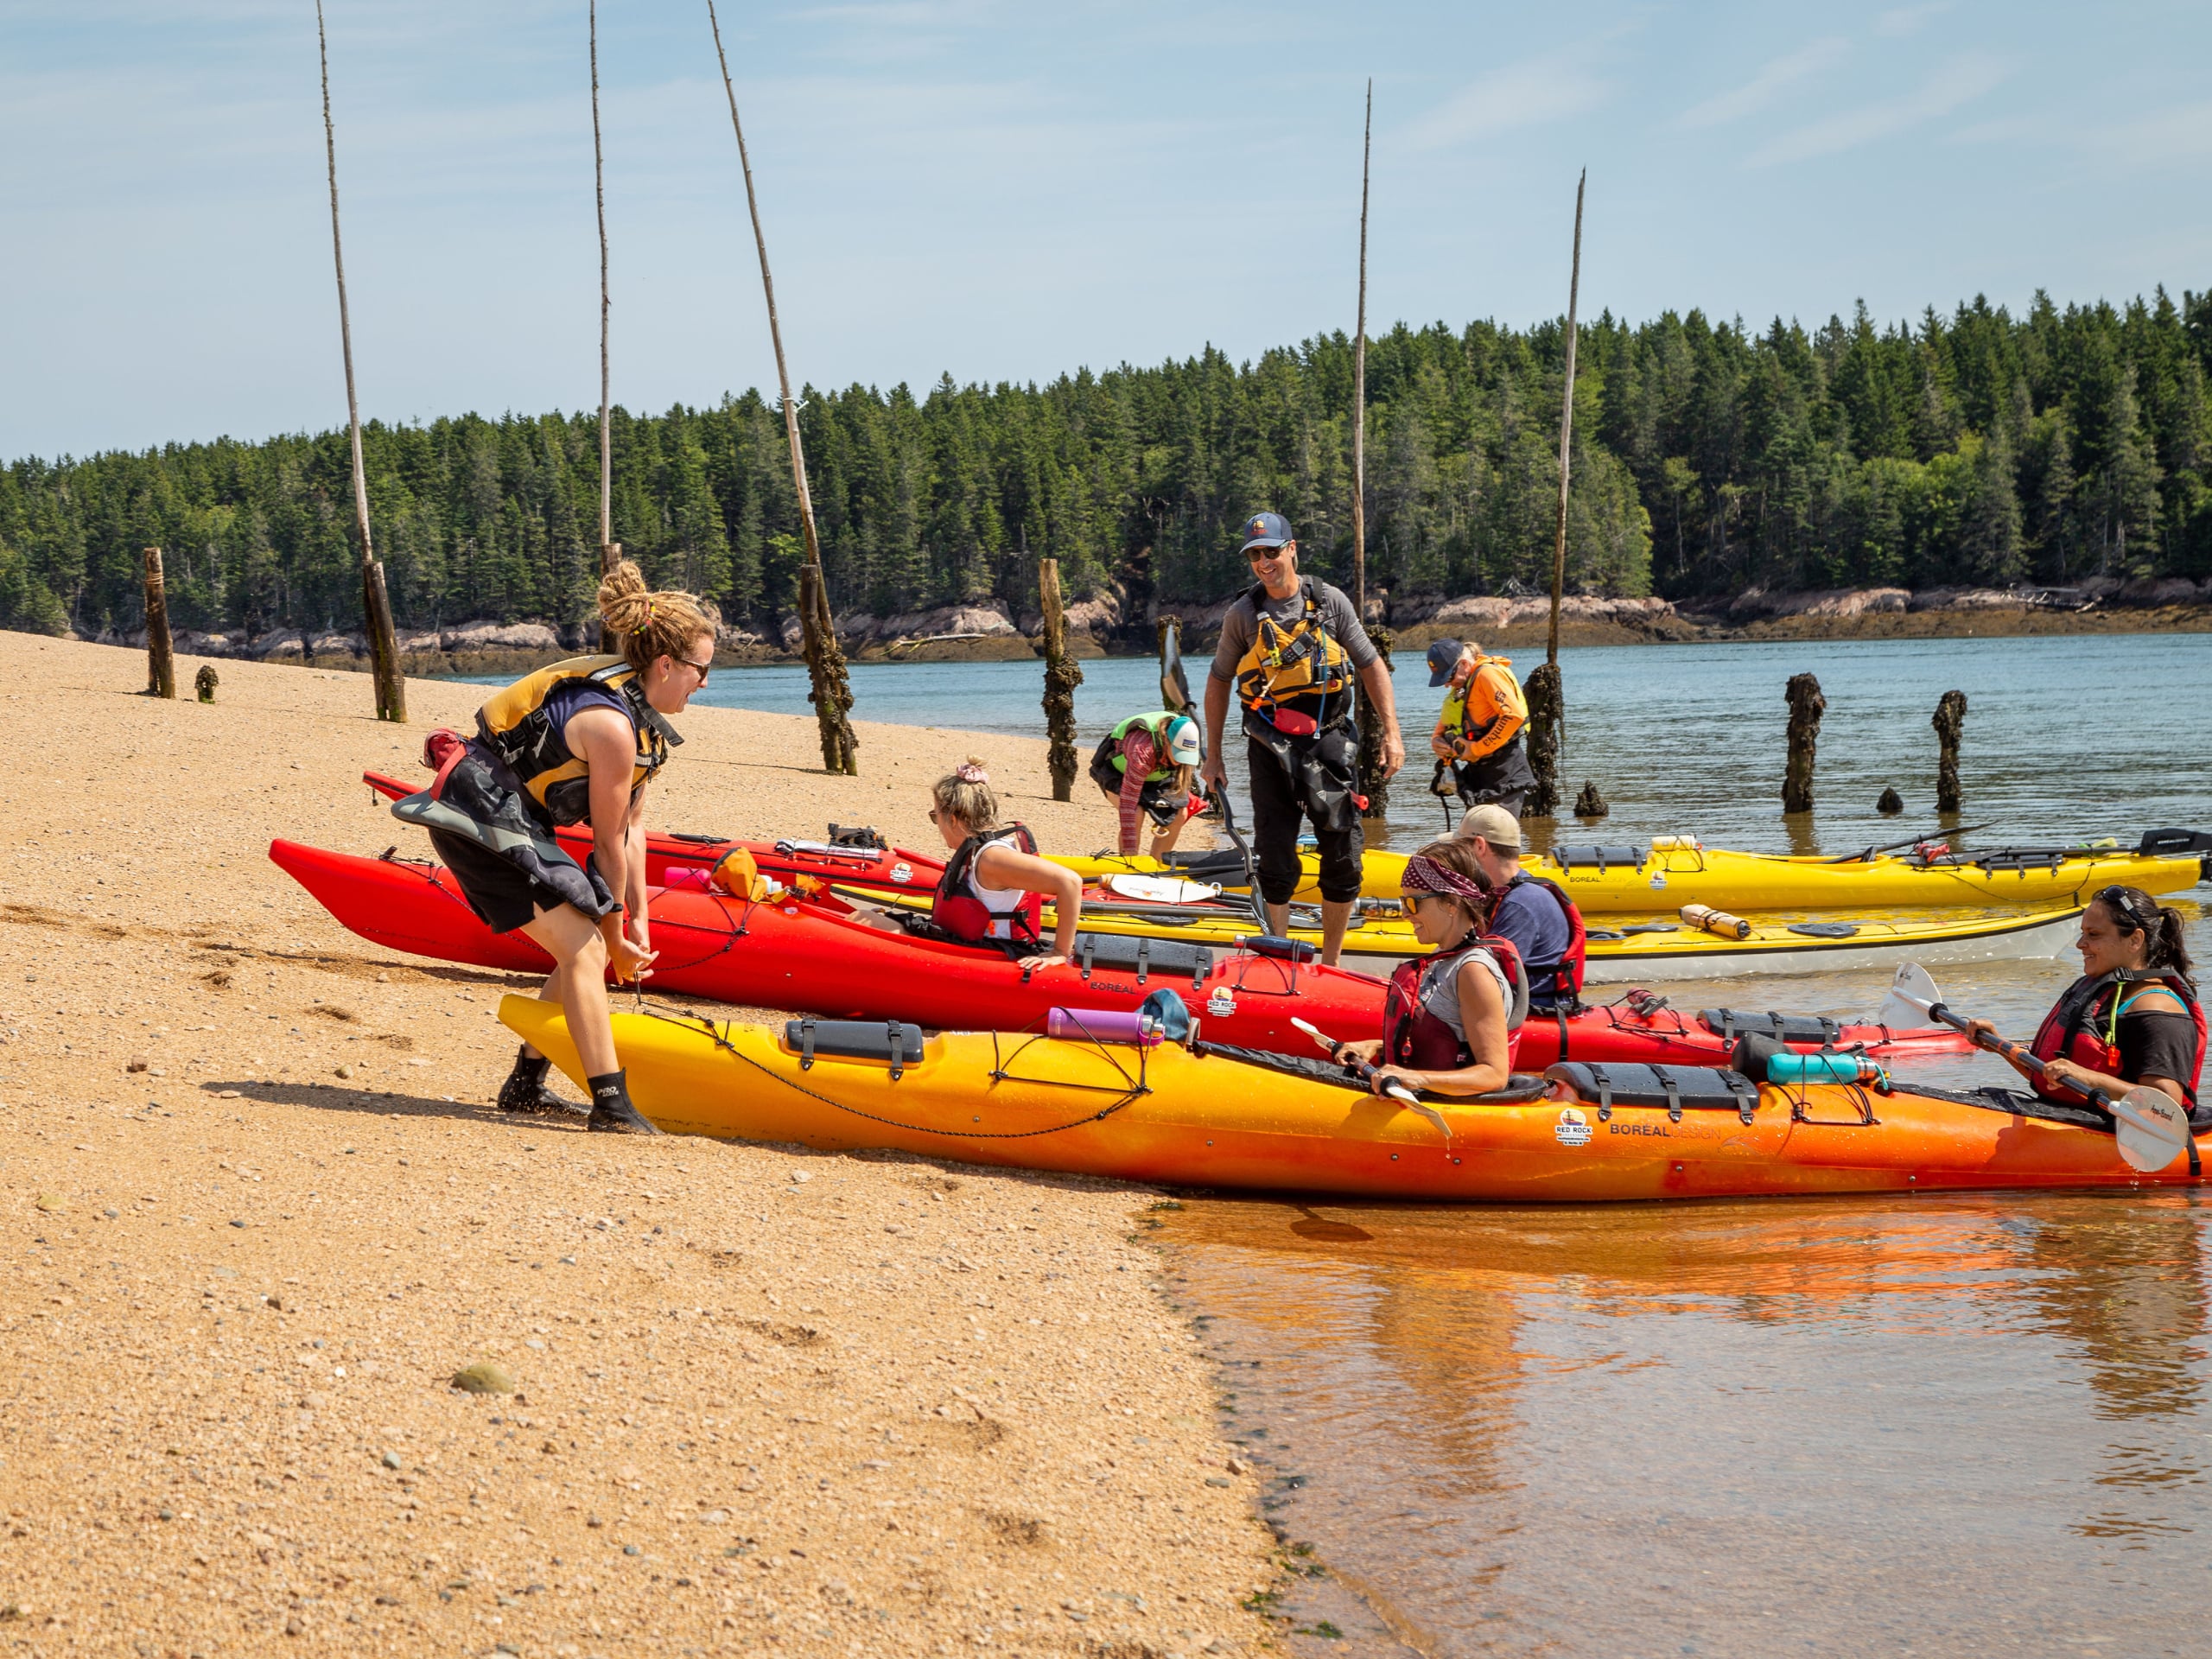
<point x="1493" y="824"/>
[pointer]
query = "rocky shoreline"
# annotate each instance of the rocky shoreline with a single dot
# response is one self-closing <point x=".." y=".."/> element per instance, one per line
<point x="1107" y="625"/>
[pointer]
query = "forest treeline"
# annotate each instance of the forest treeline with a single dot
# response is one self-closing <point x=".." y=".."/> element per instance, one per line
<point x="1980" y="448"/>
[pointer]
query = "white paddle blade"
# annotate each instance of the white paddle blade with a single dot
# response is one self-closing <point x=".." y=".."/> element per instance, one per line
<point x="2152" y="1128"/>
<point x="1912" y="993"/>
<point x="1412" y="1103"/>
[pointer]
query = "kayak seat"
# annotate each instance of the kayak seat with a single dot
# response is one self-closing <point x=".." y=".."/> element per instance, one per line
<point x="1600" y="858"/>
<point x="1728" y="1024"/>
<point x="1169" y="958"/>
<point x="1678" y="1088"/>
<point x="854" y="1040"/>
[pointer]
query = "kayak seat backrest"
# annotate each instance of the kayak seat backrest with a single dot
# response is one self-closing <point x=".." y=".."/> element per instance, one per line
<point x="1728" y="1024"/>
<point x="1598" y="858"/>
<point x="1678" y="1088"/>
<point x="1225" y="866"/>
<point x="2168" y="842"/>
<point x="1168" y="958"/>
<point x="893" y="1040"/>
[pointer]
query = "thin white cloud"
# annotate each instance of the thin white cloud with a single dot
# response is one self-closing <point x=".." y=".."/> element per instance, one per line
<point x="1525" y="94"/>
<point x="1764" y="88"/>
<point x="1953" y="86"/>
<point x="1907" y="20"/>
<point x="2162" y="137"/>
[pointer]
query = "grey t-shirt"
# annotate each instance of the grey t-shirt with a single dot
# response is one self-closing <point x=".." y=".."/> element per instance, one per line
<point x="1241" y="625"/>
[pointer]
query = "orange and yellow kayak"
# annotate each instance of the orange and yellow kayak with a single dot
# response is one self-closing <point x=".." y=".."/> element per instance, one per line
<point x="1197" y="1117"/>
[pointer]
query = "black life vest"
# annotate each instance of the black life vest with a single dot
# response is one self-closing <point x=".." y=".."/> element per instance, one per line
<point x="960" y="909"/>
<point x="517" y="727"/>
<point x="1414" y="1035"/>
<point x="1298" y="680"/>
<point x="1561" y="980"/>
<point x="2083" y="1026"/>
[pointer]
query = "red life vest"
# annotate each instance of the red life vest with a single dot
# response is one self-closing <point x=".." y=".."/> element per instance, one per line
<point x="1562" y="980"/>
<point x="1416" y="1036"/>
<point x="960" y="907"/>
<point x="2071" y="1031"/>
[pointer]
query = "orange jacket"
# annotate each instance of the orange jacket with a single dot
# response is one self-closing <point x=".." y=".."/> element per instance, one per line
<point x="1486" y="714"/>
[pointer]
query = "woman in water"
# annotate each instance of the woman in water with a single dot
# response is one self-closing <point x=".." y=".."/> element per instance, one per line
<point x="573" y="743"/>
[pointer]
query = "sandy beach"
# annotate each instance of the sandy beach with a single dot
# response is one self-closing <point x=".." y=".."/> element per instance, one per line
<point x="258" y="1213"/>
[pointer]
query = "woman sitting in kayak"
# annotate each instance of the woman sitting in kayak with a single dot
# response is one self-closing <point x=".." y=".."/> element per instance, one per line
<point x="2132" y="1018"/>
<point x="993" y="886"/>
<point x="1448" y="1019"/>
<point x="573" y="743"/>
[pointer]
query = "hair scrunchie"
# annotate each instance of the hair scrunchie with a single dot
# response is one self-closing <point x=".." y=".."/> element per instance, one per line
<point x="969" y="773"/>
<point x="1426" y="875"/>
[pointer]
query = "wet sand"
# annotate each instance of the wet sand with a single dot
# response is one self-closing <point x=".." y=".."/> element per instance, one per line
<point x="257" y="1212"/>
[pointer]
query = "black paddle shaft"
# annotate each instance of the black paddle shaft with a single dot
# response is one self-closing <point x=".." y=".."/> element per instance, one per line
<point x="1220" y="793"/>
<point x="1999" y="1047"/>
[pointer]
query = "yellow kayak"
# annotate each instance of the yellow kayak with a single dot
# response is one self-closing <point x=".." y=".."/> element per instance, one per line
<point x="1378" y="940"/>
<point x="1228" y="1118"/>
<point x="1675" y="870"/>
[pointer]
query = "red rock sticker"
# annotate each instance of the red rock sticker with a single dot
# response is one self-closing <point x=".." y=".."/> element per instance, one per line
<point x="1572" y="1128"/>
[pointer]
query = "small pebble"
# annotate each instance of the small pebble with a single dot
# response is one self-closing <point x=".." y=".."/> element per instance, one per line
<point x="391" y="1459"/>
<point x="632" y="1549"/>
<point x="485" y="1376"/>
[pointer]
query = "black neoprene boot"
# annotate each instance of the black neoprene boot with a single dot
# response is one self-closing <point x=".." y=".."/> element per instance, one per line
<point x="611" y="1110"/>
<point x="525" y="1090"/>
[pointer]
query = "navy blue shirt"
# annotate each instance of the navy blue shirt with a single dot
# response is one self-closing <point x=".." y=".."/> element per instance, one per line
<point x="1531" y="919"/>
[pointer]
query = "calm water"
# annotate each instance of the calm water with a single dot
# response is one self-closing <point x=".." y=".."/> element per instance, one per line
<point x="1914" y="1425"/>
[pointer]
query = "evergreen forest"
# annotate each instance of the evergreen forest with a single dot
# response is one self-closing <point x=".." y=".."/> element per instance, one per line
<point x="1978" y="448"/>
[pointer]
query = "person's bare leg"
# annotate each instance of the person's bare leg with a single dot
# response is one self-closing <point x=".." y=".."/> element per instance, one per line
<point x="579" y="980"/>
<point x="1278" y="919"/>
<point x="1336" y="915"/>
<point x="525" y="1092"/>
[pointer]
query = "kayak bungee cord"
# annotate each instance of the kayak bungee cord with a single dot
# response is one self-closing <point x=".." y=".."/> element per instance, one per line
<point x="1137" y="1089"/>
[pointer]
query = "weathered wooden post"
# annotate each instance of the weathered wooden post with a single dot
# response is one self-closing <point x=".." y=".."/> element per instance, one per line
<point x="390" y="684"/>
<point x="610" y="551"/>
<point x="610" y="639"/>
<point x="1806" y="707"/>
<point x="205" y="682"/>
<point x="1546" y="728"/>
<point x="1589" y="804"/>
<point x="1542" y="735"/>
<point x="1889" y="803"/>
<point x="1061" y="678"/>
<point x="1950" y="715"/>
<point x="1373" y="782"/>
<point x="161" y="665"/>
<point x="831" y="691"/>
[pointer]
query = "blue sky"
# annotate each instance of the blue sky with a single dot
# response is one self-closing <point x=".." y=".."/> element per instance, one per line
<point x="1007" y="191"/>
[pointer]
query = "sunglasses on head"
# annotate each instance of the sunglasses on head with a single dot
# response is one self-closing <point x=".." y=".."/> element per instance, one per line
<point x="2121" y="903"/>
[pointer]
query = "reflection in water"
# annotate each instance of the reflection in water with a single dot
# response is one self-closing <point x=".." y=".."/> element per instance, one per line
<point x="1944" y="1425"/>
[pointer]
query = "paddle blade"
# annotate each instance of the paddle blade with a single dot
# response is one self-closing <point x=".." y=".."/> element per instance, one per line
<point x="2152" y="1128"/>
<point x="1912" y="993"/>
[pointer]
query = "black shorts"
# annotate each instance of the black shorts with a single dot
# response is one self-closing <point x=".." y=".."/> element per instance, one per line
<point x="1278" y="817"/>
<point x="503" y="896"/>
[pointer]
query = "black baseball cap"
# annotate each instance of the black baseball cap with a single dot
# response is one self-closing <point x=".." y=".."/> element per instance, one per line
<point x="1266" y="530"/>
<point x="1443" y="657"/>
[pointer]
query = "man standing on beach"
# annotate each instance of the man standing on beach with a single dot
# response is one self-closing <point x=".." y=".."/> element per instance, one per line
<point x="1292" y="649"/>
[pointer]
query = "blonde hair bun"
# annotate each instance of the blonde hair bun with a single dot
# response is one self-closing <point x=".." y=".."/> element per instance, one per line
<point x="651" y="624"/>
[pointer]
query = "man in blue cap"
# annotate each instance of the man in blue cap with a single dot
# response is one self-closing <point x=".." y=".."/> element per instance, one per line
<point x="1478" y="733"/>
<point x="1293" y="651"/>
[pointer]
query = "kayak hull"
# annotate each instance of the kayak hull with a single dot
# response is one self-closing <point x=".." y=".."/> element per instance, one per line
<point x="1168" y="1116"/>
<point x="812" y="958"/>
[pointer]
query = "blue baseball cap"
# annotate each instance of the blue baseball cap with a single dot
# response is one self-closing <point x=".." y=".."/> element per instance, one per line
<point x="1443" y="657"/>
<point x="1266" y="530"/>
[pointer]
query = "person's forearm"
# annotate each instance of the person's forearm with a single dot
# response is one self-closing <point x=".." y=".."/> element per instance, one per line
<point x="1478" y="1079"/>
<point x="1067" y="914"/>
<point x="634" y="893"/>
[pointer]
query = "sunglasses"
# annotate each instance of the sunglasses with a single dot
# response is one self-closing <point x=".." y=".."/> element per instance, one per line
<point x="2122" y="904"/>
<point x="1410" y="902"/>
<point x="700" y="669"/>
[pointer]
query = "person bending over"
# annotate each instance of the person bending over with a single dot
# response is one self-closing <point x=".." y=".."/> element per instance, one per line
<point x="1449" y="1016"/>
<point x="1535" y="914"/>
<point x="574" y="743"/>
<point x="1146" y="765"/>
<point x="1478" y="733"/>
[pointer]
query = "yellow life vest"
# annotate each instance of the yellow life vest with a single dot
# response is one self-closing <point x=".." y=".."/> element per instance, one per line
<point x="1300" y="669"/>
<point x="515" y="726"/>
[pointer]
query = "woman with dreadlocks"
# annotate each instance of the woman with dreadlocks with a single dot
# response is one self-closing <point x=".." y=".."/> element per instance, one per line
<point x="1448" y="1019"/>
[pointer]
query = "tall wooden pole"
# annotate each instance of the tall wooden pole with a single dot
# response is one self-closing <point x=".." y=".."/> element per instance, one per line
<point x="610" y="551"/>
<point x="1359" y="386"/>
<point x="161" y="662"/>
<point x="375" y="602"/>
<point x="832" y="693"/>
<point x="1567" y="424"/>
<point x="1374" y="782"/>
<point x="1547" y="726"/>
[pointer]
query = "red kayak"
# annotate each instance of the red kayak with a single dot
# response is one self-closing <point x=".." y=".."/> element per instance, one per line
<point x="813" y="957"/>
<point x="883" y="868"/>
